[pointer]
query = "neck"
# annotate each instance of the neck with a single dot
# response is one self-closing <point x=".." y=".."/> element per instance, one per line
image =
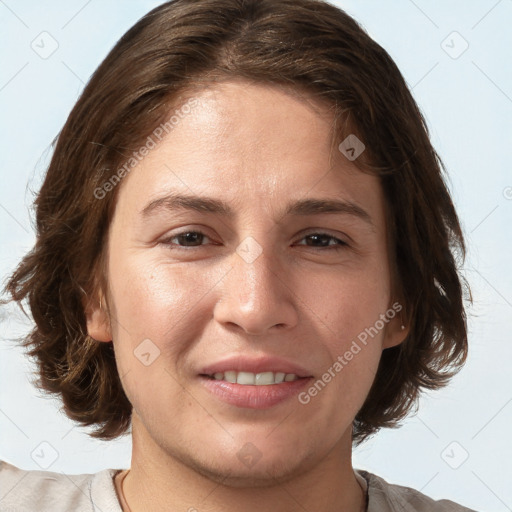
<point x="161" y="480"/>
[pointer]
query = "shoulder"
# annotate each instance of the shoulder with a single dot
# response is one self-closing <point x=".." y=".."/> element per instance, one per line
<point x="29" y="491"/>
<point x="386" y="497"/>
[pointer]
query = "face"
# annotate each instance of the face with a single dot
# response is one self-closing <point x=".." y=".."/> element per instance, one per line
<point x="281" y="268"/>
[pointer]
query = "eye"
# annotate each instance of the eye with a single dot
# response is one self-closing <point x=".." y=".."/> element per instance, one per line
<point x="324" y="240"/>
<point x="189" y="239"/>
<point x="186" y="239"/>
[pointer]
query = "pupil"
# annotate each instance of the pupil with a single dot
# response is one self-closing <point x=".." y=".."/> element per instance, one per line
<point x="323" y="238"/>
<point x="190" y="237"/>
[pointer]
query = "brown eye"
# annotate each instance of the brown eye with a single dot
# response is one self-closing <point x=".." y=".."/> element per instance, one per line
<point x="186" y="239"/>
<point x="323" y="240"/>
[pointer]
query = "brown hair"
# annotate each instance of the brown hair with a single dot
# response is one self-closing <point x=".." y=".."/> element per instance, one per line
<point x="305" y="45"/>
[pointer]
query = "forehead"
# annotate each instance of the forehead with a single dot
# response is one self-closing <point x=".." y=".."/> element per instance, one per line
<point x="269" y="121"/>
<point x="251" y="144"/>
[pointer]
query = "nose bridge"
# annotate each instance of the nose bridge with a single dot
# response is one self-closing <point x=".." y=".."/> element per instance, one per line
<point x="255" y="295"/>
<point x="256" y="272"/>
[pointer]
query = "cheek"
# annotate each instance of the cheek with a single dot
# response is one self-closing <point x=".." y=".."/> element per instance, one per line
<point x="344" y="301"/>
<point x="145" y="289"/>
<point x="148" y="301"/>
<point x="346" y="308"/>
<point x="160" y="302"/>
<point x="154" y="306"/>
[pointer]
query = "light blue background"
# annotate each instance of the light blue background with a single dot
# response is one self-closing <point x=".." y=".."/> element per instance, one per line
<point x="468" y="105"/>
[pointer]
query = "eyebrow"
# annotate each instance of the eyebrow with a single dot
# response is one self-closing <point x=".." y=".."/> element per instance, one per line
<point x="302" y="207"/>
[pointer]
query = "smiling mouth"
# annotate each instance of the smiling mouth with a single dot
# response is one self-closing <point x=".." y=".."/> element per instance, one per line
<point x="258" y="391"/>
<point x="253" y="379"/>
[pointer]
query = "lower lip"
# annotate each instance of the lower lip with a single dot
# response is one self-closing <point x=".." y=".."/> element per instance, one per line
<point x="254" y="397"/>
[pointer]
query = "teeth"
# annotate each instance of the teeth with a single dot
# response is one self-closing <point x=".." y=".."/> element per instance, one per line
<point x="255" y="379"/>
<point x="245" y="378"/>
<point x="263" y="379"/>
<point x="230" y="376"/>
<point x="279" y="377"/>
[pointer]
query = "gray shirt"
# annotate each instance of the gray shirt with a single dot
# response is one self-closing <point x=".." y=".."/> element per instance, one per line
<point x="45" y="491"/>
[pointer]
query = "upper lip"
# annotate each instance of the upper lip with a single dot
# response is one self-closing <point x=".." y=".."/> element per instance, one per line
<point x="260" y="364"/>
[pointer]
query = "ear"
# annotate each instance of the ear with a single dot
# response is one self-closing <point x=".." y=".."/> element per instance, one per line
<point x="97" y="319"/>
<point x="394" y="334"/>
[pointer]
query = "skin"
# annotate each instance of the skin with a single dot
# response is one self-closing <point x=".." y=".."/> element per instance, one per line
<point x="257" y="148"/>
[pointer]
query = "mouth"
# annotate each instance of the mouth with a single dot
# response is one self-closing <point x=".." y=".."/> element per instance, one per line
<point x="254" y="382"/>
<point x="247" y="390"/>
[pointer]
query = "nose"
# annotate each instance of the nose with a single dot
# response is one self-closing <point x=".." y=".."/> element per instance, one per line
<point x="257" y="295"/>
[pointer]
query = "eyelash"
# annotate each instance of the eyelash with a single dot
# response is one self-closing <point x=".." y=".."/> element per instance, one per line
<point x="338" y="246"/>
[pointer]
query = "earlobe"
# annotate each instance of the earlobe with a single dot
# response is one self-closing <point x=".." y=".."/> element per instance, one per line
<point x="396" y="333"/>
<point x="97" y="319"/>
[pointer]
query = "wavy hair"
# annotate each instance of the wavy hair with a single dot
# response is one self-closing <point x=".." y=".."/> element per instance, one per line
<point x="309" y="46"/>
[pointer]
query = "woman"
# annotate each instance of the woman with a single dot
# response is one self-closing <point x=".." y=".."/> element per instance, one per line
<point x="246" y="253"/>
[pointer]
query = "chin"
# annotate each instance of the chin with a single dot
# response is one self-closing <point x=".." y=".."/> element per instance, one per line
<point x="262" y="474"/>
<point x="248" y="467"/>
